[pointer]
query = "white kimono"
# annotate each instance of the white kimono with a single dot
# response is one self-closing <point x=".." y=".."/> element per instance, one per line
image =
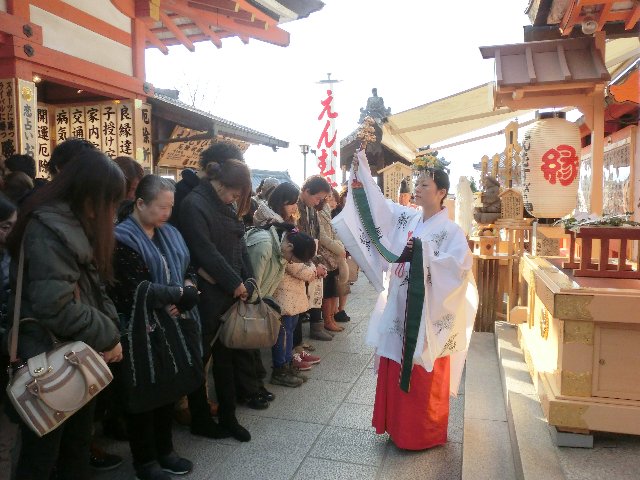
<point x="451" y="297"/>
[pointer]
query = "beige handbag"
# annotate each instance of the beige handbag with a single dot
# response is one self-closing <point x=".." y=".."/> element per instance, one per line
<point x="249" y="325"/>
<point x="353" y="270"/>
<point x="53" y="385"/>
<point x="315" y="290"/>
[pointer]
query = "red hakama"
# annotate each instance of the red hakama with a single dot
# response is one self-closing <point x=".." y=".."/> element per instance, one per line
<point x="416" y="420"/>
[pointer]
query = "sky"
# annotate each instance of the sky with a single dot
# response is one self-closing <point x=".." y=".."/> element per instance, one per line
<point x="412" y="51"/>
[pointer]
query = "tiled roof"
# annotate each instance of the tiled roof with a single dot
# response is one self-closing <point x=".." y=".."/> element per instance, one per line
<point x="197" y="119"/>
<point x="551" y="61"/>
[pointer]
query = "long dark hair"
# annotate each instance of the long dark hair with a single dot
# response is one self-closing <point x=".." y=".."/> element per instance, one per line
<point x="93" y="186"/>
<point x="284" y="194"/>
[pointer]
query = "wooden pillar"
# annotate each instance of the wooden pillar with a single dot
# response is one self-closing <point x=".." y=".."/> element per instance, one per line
<point x="138" y="48"/>
<point x="597" y="151"/>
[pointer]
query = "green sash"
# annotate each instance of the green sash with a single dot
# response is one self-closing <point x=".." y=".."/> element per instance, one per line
<point x="415" y="294"/>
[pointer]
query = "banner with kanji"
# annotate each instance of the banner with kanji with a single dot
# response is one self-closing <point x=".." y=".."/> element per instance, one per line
<point x="327" y="148"/>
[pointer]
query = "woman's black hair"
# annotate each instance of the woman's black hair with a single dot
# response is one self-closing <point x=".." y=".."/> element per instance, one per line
<point x="440" y="178"/>
<point x="220" y="153"/>
<point x="7" y="207"/>
<point x="148" y="190"/>
<point x="93" y="185"/>
<point x="304" y="247"/>
<point x="66" y="151"/>
<point x="284" y="194"/>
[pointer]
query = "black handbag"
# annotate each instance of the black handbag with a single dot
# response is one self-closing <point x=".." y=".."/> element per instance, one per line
<point x="162" y="356"/>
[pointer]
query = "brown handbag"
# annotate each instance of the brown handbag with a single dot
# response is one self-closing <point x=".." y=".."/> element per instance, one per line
<point x="52" y="386"/>
<point x="249" y="325"/>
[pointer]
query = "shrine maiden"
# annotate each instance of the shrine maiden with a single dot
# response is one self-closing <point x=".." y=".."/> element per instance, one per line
<point x="432" y="308"/>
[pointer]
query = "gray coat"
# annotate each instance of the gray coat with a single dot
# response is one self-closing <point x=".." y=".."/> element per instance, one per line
<point x="58" y="256"/>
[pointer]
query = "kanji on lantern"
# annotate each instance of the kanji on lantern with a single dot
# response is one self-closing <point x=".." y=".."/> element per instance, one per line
<point x="560" y="164"/>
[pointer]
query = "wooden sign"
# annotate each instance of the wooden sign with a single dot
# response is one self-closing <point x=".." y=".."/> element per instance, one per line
<point x="27" y="116"/>
<point x="108" y="128"/>
<point x="143" y="135"/>
<point x="511" y="204"/>
<point x="392" y="176"/>
<point x="125" y="129"/>
<point x="43" y="141"/>
<point x="77" y="123"/>
<point x="183" y="154"/>
<point x="63" y="123"/>
<point x="93" y="121"/>
<point x="8" y="131"/>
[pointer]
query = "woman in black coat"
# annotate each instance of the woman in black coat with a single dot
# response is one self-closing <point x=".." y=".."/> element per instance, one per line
<point x="210" y="222"/>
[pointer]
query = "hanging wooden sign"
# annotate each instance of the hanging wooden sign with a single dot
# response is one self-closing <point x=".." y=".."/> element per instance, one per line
<point x="27" y="116"/>
<point x="93" y="124"/>
<point x="43" y="141"/>
<point x="143" y="135"/>
<point x="108" y="121"/>
<point x="125" y="129"/>
<point x="8" y="132"/>
<point x="63" y="124"/>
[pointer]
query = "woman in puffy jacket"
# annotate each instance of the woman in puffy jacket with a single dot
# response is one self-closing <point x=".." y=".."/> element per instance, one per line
<point x="282" y="273"/>
<point x="66" y="229"/>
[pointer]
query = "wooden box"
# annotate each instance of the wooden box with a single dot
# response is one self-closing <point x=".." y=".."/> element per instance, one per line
<point x="581" y="343"/>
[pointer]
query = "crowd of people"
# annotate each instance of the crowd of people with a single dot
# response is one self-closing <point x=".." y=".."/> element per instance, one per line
<point x="142" y="269"/>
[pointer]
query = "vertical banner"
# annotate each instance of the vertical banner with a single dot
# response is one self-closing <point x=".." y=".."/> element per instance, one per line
<point x="27" y="116"/>
<point x="93" y="124"/>
<point x="43" y="141"/>
<point x="125" y="129"/>
<point x="78" y="127"/>
<point x="63" y="123"/>
<point x="8" y="140"/>
<point x="143" y="136"/>
<point x="328" y="157"/>
<point x="109" y="116"/>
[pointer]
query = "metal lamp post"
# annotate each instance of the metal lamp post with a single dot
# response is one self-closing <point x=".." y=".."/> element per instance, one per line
<point x="304" y="149"/>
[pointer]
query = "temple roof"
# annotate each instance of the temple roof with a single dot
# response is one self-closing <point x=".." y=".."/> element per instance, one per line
<point x="568" y="61"/>
<point x="190" y="117"/>
<point x="185" y="22"/>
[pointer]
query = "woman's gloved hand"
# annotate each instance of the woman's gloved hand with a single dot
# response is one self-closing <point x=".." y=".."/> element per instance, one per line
<point x="189" y="298"/>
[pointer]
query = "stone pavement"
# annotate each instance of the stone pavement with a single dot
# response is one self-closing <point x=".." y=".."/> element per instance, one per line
<point x="321" y="430"/>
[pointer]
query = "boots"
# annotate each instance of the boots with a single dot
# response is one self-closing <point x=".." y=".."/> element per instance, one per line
<point x="295" y="370"/>
<point x="319" y="333"/>
<point x="327" y="313"/>
<point x="285" y="377"/>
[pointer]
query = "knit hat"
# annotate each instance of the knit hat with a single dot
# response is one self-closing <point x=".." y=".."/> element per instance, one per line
<point x="268" y="185"/>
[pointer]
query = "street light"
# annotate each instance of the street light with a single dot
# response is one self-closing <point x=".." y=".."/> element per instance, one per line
<point x="304" y="149"/>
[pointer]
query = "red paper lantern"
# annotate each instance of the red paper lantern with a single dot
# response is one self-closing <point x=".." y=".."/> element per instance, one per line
<point x="551" y="166"/>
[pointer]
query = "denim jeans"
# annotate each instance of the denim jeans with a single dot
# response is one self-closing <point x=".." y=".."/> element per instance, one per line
<point x="281" y="351"/>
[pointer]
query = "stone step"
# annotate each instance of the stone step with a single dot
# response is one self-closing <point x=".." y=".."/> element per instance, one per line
<point x="487" y="449"/>
<point x="534" y="453"/>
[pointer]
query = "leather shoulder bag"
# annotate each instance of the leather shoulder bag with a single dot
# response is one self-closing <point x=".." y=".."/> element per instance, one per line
<point x="50" y="387"/>
<point x="249" y="325"/>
